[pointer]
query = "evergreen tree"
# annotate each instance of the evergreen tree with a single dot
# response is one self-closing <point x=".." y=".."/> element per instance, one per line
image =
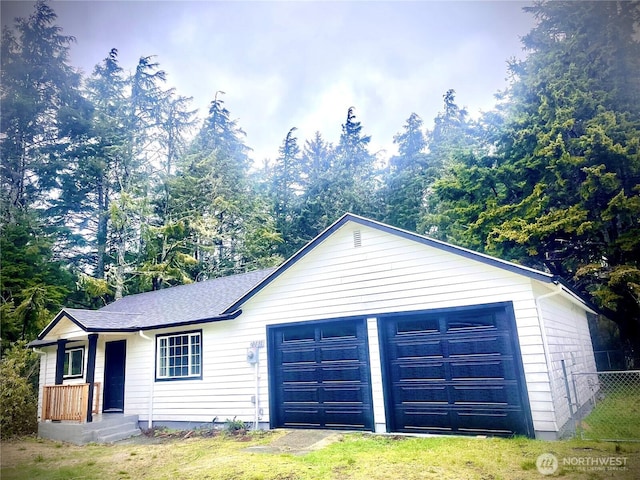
<point x="90" y="181"/>
<point x="316" y="209"/>
<point x="353" y="185"/>
<point x="285" y="190"/>
<point x="42" y="115"/>
<point x="40" y="105"/>
<point x="405" y="178"/>
<point x="165" y="257"/>
<point x="33" y="286"/>
<point x="559" y="190"/>
<point x="454" y="146"/>
<point x="211" y="195"/>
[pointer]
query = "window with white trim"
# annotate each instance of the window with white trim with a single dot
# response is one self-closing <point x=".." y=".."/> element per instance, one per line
<point x="73" y="362"/>
<point x="179" y="356"/>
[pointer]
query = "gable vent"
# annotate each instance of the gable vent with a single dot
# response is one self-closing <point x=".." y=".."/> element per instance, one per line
<point x="357" y="238"/>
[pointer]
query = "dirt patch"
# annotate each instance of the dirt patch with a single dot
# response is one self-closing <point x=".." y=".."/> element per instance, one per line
<point x="299" y="442"/>
<point x="24" y="448"/>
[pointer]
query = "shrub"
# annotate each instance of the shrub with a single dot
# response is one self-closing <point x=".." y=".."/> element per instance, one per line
<point x="18" y="396"/>
<point x="235" y="426"/>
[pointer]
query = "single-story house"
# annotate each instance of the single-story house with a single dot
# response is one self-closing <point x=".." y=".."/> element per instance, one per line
<point x="368" y="327"/>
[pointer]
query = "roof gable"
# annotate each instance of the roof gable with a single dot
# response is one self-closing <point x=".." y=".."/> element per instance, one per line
<point x="438" y="244"/>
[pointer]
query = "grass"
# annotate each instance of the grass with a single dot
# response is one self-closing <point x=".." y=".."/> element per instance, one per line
<point x="616" y="417"/>
<point x="354" y="457"/>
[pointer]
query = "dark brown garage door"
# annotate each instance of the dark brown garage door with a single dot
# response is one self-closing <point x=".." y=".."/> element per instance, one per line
<point x="454" y="371"/>
<point x="319" y="375"/>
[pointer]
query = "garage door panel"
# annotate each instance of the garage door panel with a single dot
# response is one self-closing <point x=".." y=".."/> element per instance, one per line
<point x="320" y="375"/>
<point x="349" y="419"/>
<point x="486" y="421"/>
<point x="298" y="375"/>
<point x="478" y="345"/>
<point x="483" y="394"/>
<point x="338" y="331"/>
<point x="344" y="395"/>
<point x="498" y="368"/>
<point x="474" y="321"/>
<point x="301" y="395"/>
<point x="340" y="353"/>
<point x="298" y="355"/>
<point x="301" y="417"/>
<point x="452" y="371"/>
<point x="425" y="394"/>
<point x="424" y="421"/>
<point x="418" y="349"/>
<point x="421" y="371"/>
<point x="351" y="373"/>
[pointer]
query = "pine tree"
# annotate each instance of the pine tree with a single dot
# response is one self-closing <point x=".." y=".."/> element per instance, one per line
<point x="559" y="189"/>
<point x="90" y="181"/>
<point x="40" y="104"/>
<point x="316" y="209"/>
<point x="43" y="114"/>
<point x="211" y="195"/>
<point x="285" y="189"/>
<point x="404" y="187"/>
<point x="353" y="185"/>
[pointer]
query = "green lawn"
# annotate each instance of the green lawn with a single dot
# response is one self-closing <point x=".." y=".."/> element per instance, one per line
<point x="355" y="456"/>
<point x="616" y="417"/>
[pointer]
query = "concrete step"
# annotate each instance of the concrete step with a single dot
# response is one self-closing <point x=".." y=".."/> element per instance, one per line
<point x="117" y="436"/>
<point x="102" y="432"/>
<point x="105" y="428"/>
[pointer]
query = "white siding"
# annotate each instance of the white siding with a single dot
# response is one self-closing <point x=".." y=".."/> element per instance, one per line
<point x="391" y="274"/>
<point x="568" y="338"/>
<point x="379" y="415"/>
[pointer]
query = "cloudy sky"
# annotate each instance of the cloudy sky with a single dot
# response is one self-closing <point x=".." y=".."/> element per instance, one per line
<point x="303" y="63"/>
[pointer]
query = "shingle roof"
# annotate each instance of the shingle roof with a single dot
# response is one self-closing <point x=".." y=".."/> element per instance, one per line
<point x="184" y="304"/>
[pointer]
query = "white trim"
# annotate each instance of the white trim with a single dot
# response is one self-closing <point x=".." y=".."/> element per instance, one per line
<point x="151" y="387"/>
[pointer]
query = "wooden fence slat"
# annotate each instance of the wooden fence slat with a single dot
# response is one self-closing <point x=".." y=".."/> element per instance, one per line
<point x="65" y="402"/>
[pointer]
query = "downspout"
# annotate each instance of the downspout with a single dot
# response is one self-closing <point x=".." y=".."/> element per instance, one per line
<point x="545" y="342"/>
<point x="151" y="387"/>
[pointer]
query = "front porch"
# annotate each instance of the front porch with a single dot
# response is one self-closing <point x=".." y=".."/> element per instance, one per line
<point x="66" y="416"/>
<point x="105" y="428"/>
<point x="69" y="402"/>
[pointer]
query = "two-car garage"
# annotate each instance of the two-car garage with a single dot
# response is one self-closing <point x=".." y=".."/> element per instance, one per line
<point x="443" y="371"/>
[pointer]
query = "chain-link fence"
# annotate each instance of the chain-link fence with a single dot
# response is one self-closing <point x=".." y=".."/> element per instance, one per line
<point x="611" y="410"/>
<point x="607" y="360"/>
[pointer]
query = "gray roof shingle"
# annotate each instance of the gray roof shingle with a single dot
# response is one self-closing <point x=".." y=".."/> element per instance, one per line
<point x="186" y="303"/>
<point x="193" y="303"/>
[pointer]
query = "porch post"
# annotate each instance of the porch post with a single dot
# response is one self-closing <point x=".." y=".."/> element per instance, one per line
<point x="61" y="344"/>
<point x="91" y="372"/>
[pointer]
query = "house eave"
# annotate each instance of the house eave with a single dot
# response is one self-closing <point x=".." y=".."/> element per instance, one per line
<point x="63" y="313"/>
<point x="219" y="318"/>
